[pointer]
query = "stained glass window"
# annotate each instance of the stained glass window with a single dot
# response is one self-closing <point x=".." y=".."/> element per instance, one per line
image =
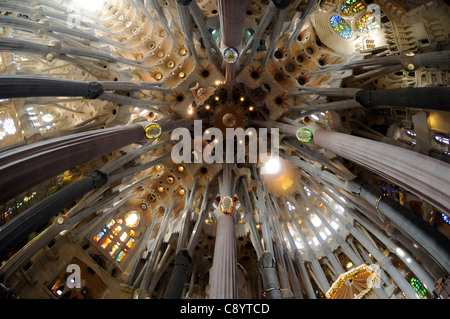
<point x="111" y="223"/>
<point x="106" y="242"/>
<point x="350" y="2"/>
<point x="132" y="219"/>
<point x="130" y="242"/>
<point x="346" y="10"/>
<point x="367" y="17"/>
<point x="341" y="27"/>
<point x="358" y="7"/>
<point x="373" y="25"/>
<point x="445" y="218"/>
<point x="118" y="231"/>
<point x="360" y="27"/>
<point x="100" y="235"/>
<point x="418" y="287"/>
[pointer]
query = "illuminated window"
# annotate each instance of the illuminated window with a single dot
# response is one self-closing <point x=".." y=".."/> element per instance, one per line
<point x="132" y="219"/>
<point x="346" y="10"/>
<point x="373" y="25"/>
<point x="111" y="223"/>
<point x="367" y="17"/>
<point x="100" y="235"/>
<point x="341" y="27"/>
<point x="9" y="126"/>
<point x="121" y="255"/>
<point x="358" y="7"/>
<point x="445" y="218"/>
<point x="118" y="231"/>
<point x="411" y="133"/>
<point x="442" y="140"/>
<point x="114" y="248"/>
<point x="106" y="242"/>
<point x="350" y="2"/>
<point x="360" y="27"/>
<point x="418" y="287"/>
<point x="130" y="243"/>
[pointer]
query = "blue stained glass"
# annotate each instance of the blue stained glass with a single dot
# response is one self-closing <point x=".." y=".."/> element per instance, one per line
<point x="341" y="27"/>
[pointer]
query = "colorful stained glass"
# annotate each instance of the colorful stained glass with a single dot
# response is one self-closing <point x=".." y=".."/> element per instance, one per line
<point x="445" y="218"/>
<point x="130" y="243"/>
<point x="341" y="27"/>
<point x="123" y="237"/>
<point x="367" y="17"/>
<point x="418" y="287"/>
<point x="100" y="235"/>
<point x="360" y="27"/>
<point x="114" y="248"/>
<point x="121" y="255"/>
<point x="132" y="232"/>
<point x="358" y="7"/>
<point x="373" y="25"/>
<point x="119" y="221"/>
<point x="117" y="230"/>
<point x="346" y="10"/>
<point x="106" y="242"/>
<point x="111" y="223"/>
<point x="132" y="219"/>
<point x="350" y="2"/>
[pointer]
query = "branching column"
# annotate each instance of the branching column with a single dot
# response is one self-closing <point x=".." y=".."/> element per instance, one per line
<point x="424" y="176"/>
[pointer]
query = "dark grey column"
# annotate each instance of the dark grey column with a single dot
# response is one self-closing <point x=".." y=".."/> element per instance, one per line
<point x="431" y="98"/>
<point x="267" y="267"/>
<point x="17" y="230"/>
<point x="21" y="86"/>
<point x="177" y="280"/>
<point x="24" y="167"/>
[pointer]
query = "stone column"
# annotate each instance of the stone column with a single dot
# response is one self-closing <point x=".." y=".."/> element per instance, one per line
<point x="232" y="18"/>
<point x="422" y="175"/>
<point x="267" y="267"/>
<point x="24" y="167"/>
<point x="18" y="229"/>
<point x="224" y="279"/>
<point x="177" y="280"/>
<point x="431" y="98"/>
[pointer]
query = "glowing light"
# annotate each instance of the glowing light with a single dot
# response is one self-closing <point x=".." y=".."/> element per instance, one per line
<point x="349" y="265"/>
<point x="117" y="230"/>
<point x="315" y="220"/>
<point x="9" y="127"/>
<point x="47" y="118"/>
<point x="121" y="255"/>
<point x="123" y="237"/>
<point x="131" y="219"/>
<point x="130" y="243"/>
<point x="272" y="166"/>
<point x="106" y="243"/>
<point x="111" y="223"/>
